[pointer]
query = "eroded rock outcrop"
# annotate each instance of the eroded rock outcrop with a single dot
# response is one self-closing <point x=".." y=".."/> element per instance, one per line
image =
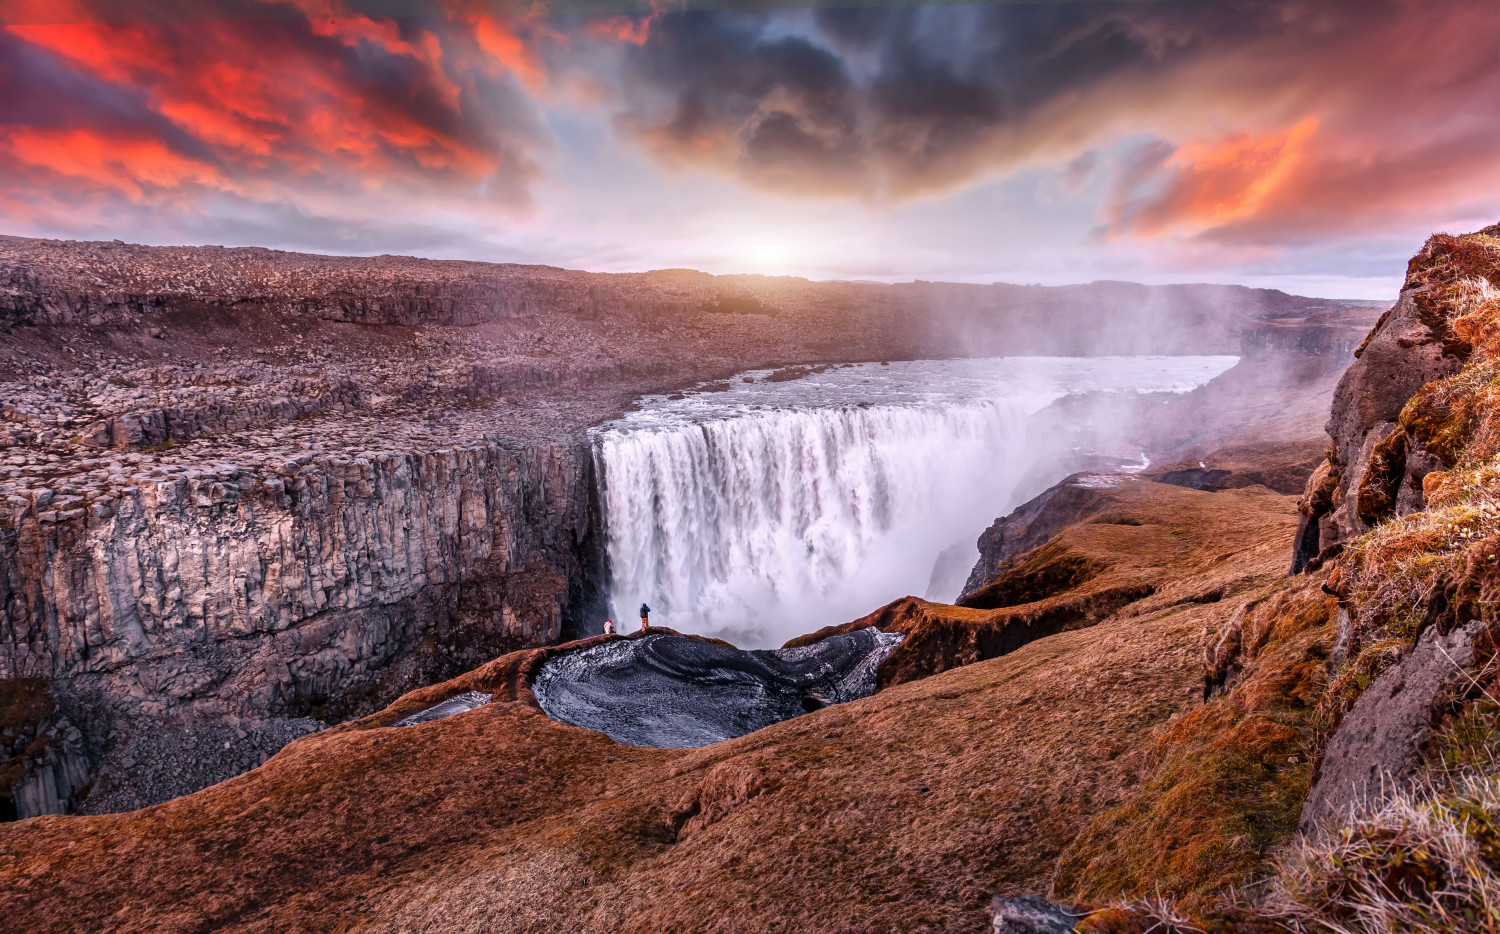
<point x="1378" y="745"/>
<point x="1386" y="438"/>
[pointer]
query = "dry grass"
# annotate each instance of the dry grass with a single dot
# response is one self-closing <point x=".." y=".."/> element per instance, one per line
<point x="1155" y="915"/>
<point x="1422" y="861"/>
<point x="1400" y="575"/>
<point x="1227" y="780"/>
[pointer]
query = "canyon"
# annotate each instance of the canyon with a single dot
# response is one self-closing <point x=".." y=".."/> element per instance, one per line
<point x="301" y="553"/>
<point x="247" y="494"/>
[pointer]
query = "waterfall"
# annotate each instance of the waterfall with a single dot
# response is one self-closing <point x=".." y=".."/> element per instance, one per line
<point x="767" y="512"/>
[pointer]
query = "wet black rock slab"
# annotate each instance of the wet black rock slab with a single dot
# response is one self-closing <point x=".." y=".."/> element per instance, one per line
<point x="675" y="692"/>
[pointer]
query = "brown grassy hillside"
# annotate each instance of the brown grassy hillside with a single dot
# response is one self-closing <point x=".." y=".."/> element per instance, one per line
<point x="902" y="812"/>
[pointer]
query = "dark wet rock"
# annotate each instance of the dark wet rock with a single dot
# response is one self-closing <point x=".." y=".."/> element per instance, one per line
<point x="1030" y="914"/>
<point x="676" y="692"/>
<point x="43" y="764"/>
<point x="459" y="703"/>
<point x="1378" y="744"/>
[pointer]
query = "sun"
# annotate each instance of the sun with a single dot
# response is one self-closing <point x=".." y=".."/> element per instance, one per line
<point x="767" y="256"/>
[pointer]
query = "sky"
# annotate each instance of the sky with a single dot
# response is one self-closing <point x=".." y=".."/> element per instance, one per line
<point x="1308" y="145"/>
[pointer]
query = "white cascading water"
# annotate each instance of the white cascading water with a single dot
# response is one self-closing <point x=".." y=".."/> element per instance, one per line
<point x="773" y="509"/>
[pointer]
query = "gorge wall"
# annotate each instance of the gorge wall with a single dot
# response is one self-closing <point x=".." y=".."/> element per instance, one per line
<point x="248" y="605"/>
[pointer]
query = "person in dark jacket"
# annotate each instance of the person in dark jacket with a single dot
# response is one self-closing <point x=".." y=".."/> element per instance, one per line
<point x="645" y="617"/>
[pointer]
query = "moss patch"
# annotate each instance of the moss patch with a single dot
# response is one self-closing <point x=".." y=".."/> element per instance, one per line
<point x="1378" y="488"/>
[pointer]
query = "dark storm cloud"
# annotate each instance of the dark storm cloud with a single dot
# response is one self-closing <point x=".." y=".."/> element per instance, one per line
<point x="894" y="102"/>
<point x="787" y="103"/>
<point x="893" y="96"/>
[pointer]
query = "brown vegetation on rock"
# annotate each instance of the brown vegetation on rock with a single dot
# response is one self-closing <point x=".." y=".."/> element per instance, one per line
<point x="1401" y="724"/>
<point x="1418" y="392"/>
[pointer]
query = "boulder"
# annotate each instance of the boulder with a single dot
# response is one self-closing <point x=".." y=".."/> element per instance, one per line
<point x="1378" y="744"/>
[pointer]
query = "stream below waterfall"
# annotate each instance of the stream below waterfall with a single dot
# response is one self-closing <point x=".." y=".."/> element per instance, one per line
<point x="760" y="509"/>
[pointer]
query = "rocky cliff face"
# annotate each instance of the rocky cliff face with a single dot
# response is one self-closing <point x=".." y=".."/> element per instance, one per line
<point x="254" y="596"/>
<point x="1403" y="513"/>
<point x="1383" y="446"/>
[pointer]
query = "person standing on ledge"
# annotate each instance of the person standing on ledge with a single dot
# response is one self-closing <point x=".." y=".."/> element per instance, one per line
<point x="645" y="617"/>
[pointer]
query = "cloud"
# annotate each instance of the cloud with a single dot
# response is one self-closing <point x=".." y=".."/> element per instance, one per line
<point x="1207" y="185"/>
<point x="1227" y="127"/>
<point x="338" y="112"/>
<point x="1249" y="106"/>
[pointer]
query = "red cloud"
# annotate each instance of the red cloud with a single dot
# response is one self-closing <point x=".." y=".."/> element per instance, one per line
<point x="267" y="108"/>
<point x="506" y="49"/>
<point x="299" y="107"/>
<point x="126" y="165"/>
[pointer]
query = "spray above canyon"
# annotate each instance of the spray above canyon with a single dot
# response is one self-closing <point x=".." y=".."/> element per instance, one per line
<point x="783" y="501"/>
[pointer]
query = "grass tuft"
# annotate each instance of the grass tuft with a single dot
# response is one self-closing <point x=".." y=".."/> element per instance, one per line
<point x="1422" y="861"/>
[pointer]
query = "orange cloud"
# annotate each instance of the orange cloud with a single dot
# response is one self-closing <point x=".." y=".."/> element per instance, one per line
<point x="351" y="101"/>
<point x="497" y="39"/>
<point x="1235" y="178"/>
<point x="1210" y="184"/>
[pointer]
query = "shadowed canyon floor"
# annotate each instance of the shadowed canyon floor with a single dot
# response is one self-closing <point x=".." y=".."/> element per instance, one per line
<point x="904" y="811"/>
